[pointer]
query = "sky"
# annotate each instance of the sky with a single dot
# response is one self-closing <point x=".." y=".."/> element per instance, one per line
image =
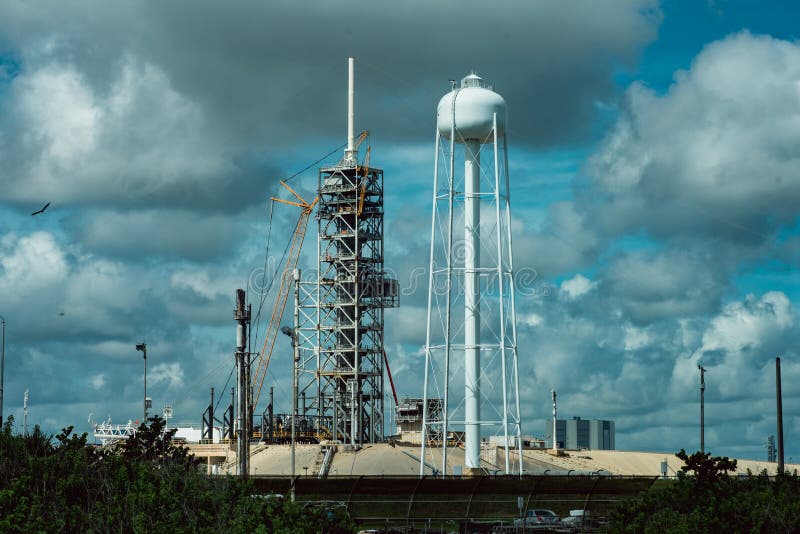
<point x="654" y="156"/>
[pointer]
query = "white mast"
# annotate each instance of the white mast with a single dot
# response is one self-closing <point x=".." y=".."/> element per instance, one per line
<point x="350" y="152"/>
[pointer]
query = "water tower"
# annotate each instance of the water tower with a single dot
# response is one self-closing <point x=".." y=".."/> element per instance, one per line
<point x="471" y="342"/>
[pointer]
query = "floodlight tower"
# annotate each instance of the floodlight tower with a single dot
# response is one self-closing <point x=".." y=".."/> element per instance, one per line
<point x="472" y="274"/>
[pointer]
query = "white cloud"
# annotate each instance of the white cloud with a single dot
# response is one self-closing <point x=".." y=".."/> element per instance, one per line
<point x="169" y="374"/>
<point x="98" y="381"/>
<point x="136" y="141"/>
<point x="743" y="325"/>
<point x="28" y="263"/>
<point x="576" y="287"/>
<point x="636" y="338"/>
<point x="738" y="346"/>
<point x="714" y="155"/>
<point x="531" y="319"/>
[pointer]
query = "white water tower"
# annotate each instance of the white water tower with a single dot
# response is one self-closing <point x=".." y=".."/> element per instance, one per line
<point x="471" y="331"/>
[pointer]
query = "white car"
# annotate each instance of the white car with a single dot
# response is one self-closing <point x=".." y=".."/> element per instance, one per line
<point x="538" y="518"/>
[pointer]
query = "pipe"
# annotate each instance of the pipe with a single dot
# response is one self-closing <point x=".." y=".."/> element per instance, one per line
<point x="472" y="311"/>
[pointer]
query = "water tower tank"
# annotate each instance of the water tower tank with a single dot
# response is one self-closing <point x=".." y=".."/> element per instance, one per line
<point x="475" y="106"/>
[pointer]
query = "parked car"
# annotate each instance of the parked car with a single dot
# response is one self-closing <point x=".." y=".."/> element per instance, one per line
<point x="537" y="518"/>
<point x="582" y="520"/>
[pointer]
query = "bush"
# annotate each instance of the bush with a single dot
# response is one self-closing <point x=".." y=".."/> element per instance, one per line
<point x="705" y="498"/>
<point x="145" y="484"/>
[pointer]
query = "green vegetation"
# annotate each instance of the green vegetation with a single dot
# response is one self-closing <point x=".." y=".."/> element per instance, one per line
<point x="144" y="484"/>
<point x="705" y="498"/>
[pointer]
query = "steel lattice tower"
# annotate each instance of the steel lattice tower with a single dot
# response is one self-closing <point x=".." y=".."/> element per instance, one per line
<point x="341" y="312"/>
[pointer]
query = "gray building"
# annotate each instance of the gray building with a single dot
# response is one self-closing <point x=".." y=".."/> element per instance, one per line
<point x="577" y="433"/>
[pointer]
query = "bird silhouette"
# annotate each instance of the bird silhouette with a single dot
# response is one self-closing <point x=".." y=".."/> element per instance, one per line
<point x="37" y="212"/>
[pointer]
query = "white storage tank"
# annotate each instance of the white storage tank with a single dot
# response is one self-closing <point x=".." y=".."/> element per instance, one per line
<point x="475" y="106"/>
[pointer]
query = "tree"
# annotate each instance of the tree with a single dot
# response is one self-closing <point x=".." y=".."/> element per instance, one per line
<point x="705" y="467"/>
<point x="705" y="498"/>
<point x="153" y="443"/>
<point x="147" y="484"/>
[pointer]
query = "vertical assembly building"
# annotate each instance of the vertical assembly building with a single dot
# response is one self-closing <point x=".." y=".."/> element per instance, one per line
<point x="577" y="433"/>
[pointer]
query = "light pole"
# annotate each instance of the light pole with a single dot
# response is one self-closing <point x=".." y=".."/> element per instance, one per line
<point x="292" y="333"/>
<point x="702" y="407"/>
<point x="779" y="405"/>
<point x="143" y="348"/>
<point x="2" y="367"/>
<point x="555" y="425"/>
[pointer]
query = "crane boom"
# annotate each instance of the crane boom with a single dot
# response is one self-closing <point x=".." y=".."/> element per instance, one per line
<point x="273" y="327"/>
<point x="391" y="382"/>
<point x="364" y="170"/>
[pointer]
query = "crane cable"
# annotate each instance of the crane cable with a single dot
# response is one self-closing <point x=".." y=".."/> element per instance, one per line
<point x="323" y="158"/>
<point x="266" y="291"/>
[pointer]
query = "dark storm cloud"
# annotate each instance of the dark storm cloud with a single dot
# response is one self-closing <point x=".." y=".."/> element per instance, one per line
<point x="551" y="60"/>
<point x="193" y="106"/>
<point x="275" y="72"/>
<point x="145" y="234"/>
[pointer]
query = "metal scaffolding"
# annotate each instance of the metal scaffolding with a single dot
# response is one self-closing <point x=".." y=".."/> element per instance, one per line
<point x="340" y="327"/>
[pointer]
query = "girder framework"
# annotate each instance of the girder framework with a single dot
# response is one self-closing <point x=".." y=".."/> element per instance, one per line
<point x="342" y="312"/>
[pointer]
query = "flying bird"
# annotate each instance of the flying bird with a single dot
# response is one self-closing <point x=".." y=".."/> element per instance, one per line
<point x="41" y="210"/>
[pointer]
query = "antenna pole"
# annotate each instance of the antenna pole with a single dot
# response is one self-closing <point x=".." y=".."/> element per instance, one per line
<point x="2" y="366"/>
<point x="779" y="401"/>
<point x="25" y="413"/>
<point x="555" y="426"/>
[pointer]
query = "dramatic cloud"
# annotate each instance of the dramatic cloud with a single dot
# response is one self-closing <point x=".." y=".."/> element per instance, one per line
<point x="714" y="156"/>
<point x="137" y="142"/>
<point x="158" y="131"/>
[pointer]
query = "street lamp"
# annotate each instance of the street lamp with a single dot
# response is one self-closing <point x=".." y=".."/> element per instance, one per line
<point x="702" y="407"/>
<point x="2" y="367"/>
<point x="143" y="348"/>
<point x="293" y="336"/>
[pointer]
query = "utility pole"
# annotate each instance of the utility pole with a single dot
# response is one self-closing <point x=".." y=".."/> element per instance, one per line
<point x="143" y="348"/>
<point x="779" y="402"/>
<point x="25" y="413"/>
<point x="2" y="367"/>
<point x="271" y="411"/>
<point x="702" y="407"/>
<point x="242" y="316"/>
<point x="555" y="426"/>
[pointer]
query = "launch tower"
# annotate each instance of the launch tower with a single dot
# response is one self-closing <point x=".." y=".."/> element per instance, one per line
<point x="341" y="312"/>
